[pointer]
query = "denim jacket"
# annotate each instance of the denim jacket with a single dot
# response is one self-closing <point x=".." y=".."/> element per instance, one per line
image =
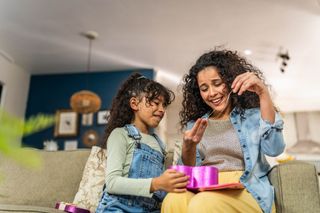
<point x="257" y="138"/>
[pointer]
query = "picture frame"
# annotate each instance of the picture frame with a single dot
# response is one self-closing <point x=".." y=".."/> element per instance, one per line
<point x="90" y="138"/>
<point x="103" y="116"/>
<point x="66" y="123"/>
<point x="87" y="119"/>
<point x="70" y="145"/>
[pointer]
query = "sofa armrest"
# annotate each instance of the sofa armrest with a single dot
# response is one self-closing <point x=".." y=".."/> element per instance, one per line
<point x="296" y="187"/>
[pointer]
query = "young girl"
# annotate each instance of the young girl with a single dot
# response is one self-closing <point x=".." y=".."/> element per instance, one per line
<point x="135" y="155"/>
<point x="231" y="124"/>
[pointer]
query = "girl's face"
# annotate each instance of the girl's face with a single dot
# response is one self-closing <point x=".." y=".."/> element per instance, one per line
<point x="148" y="114"/>
<point x="214" y="92"/>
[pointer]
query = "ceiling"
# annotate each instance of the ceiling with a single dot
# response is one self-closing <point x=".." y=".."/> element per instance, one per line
<point x="43" y="36"/>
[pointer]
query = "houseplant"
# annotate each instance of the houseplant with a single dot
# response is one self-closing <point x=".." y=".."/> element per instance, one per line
<point x="12" y="129"/>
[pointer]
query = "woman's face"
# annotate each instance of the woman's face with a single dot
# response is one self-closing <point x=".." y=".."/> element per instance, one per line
<point x="214" y="92"/>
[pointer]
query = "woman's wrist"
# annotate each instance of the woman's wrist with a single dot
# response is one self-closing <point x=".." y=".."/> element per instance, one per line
<point x="188" y="156"/>
<point x="187" y="146"/>
<point x="265" y="98"/>
<point x="263" y="92"/>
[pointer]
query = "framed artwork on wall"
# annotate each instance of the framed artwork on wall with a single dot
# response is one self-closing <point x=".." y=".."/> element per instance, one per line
<point x="103" y="116"/>
<point x="70" y="145"/>
<point x="66" y="123"/>
<point x="87" y="119"/>
<point x="90" y="138"/>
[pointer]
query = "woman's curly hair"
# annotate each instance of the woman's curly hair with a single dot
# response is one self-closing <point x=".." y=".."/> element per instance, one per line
<point x="135" y="86"/>
<point x="229" y="65"/>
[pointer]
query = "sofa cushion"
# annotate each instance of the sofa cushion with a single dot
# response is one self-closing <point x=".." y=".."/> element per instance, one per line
<point x="177" y="152"/>
<point x="93" y="179"/>
<point x="57" y="180"/>
<point x="23" y="208"/>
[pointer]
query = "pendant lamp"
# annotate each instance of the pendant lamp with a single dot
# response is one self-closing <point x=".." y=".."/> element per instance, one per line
<point x="86" y="101"/>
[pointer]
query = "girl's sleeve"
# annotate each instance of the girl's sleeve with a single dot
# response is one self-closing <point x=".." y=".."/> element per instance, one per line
<point x="116" y="158"/>
<point x="271" y="138"/>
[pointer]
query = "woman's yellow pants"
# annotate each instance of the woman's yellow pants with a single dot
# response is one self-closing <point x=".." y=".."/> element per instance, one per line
<point x="225" y="201"/>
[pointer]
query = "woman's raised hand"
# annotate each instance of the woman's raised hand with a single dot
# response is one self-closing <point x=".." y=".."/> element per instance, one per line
<point x="194" y="135"/>
<point x="248" y="82"/>
<point x="170" y="181"/>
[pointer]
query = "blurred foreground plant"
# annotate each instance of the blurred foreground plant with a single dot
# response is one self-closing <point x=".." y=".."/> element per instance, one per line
<point x="12" y="129"/>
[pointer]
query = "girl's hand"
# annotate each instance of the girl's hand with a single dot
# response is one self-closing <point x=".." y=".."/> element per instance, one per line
<point x="248" y="82"/>
<point x="170" y="181"/>
<point x="193" y="136"/>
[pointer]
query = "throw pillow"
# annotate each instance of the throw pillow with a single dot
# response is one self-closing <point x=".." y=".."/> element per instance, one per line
<point x="177" y="152"/>
<point x="93" y="179"/>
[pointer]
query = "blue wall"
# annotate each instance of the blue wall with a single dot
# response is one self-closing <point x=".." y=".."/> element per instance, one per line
<point x="49" y="93"/>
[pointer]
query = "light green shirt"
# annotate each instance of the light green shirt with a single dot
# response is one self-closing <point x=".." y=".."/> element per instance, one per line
<point x="120" y="149"/>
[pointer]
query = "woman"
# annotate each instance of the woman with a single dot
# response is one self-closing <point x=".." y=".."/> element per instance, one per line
<point x="231" y="124"/>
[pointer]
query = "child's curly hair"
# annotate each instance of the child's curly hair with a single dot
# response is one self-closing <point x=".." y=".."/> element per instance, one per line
<point x="135" y="86"/>
<point x="229" y="65"/>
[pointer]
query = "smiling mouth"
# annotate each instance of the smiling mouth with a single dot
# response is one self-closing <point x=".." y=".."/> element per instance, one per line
<point x="216" y="101"/>
<point x="158" y="116"/>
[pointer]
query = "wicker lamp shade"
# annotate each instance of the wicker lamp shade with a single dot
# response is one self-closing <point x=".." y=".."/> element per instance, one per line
<point x="85" y="102"/>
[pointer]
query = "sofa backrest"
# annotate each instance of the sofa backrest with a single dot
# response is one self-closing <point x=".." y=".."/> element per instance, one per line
<point x="57" y="180"/>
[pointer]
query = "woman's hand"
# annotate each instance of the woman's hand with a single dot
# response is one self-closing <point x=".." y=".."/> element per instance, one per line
<point x="170" y="181"/>
<point x="248" y="82"/>
<point x="193" y="136"/>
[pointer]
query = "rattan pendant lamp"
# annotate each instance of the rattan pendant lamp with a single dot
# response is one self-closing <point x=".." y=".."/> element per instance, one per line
<point x="85" y="101"/>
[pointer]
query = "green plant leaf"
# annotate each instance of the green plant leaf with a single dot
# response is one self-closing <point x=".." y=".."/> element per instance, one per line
<point x="12" y="129"/>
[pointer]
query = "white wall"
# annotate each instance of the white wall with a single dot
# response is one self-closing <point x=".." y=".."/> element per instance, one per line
<point x="289" y="129"/>
<point x="169" y="126"/>
<point x="314" y="119"/>
<point x="16" y="86"/>
<point x="290" y="133"/>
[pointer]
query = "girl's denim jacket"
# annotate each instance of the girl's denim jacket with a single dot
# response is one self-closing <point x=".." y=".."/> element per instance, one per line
<point x="257" y="138"/>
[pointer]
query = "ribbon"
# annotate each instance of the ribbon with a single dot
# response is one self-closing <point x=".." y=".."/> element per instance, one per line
<point x="71" y="208"/>
<point x="200" y="176"/>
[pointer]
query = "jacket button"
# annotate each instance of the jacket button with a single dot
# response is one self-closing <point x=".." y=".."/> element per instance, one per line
<point x="235" y="122"/>
<point x="246" y="172"/>
<point x="239" y="130"/>
<point x="259" y="198"/>
<point x="244" y="146"/>
<point x="247" y="158"/>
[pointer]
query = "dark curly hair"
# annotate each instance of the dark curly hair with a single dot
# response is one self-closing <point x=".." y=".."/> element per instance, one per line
<point x="135" y="86"/>
<point x="229" y="65"/>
